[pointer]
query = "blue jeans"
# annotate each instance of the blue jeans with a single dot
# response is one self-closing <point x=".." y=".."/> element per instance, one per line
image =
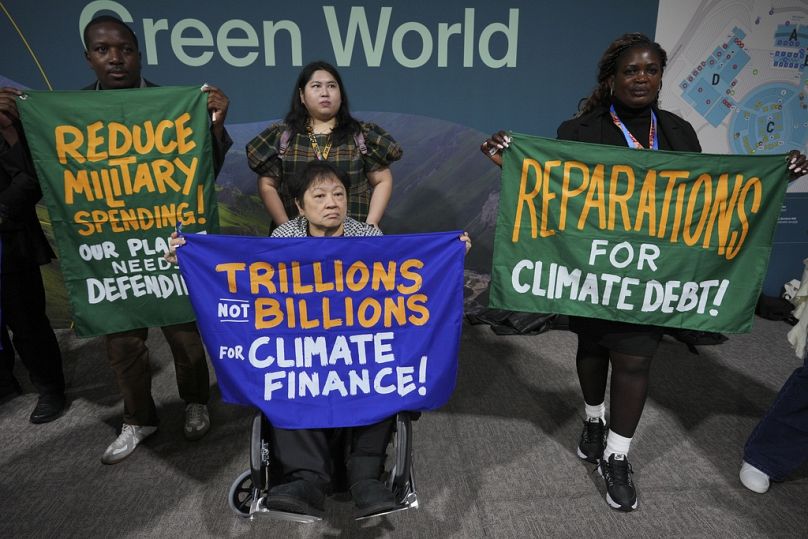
<point x="779" y="444"/>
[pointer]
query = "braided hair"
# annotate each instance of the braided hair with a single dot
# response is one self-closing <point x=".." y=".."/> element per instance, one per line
<point x="607" y="66"/>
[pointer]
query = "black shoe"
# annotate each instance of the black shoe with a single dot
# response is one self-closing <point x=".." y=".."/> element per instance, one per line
<point x="593" y="440"/>
<point x="620" y="491"/>
<point x="48" y="408"/>
<point x="298" y="496"/>
<point x="372" y="497"/>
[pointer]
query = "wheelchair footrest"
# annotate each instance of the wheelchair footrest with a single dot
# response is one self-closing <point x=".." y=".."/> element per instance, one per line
<point x="410" y="501"/>
<point x="259" y="509"/>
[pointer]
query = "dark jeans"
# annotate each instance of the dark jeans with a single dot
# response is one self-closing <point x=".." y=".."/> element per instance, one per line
<point x="129" y="358"/>
<point x="779" y="443"/>
<point x="23" y="312"/>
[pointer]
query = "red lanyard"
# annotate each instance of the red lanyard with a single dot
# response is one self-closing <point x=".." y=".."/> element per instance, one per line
<point x="653" y="139"/>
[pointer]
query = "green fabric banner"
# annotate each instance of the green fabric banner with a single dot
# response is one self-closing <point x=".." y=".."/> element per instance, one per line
<point x="118" y="170"/>
<point x="650" y="237"/>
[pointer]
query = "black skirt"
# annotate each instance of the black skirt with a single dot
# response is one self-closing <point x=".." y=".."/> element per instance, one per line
<point x="620" y="337"/>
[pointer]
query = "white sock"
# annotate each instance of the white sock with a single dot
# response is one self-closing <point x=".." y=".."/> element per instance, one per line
<point x="616" y="444"/>
<point x="597" y="411"/>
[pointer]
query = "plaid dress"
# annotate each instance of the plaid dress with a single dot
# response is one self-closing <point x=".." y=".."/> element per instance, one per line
<point x="382" y="149"/>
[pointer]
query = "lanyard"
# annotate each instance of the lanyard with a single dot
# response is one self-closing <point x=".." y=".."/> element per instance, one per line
<point x="321" y="155"/>
<point x="653" y="139"/>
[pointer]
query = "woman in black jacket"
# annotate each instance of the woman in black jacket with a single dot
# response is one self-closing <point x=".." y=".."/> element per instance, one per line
<point x="621" y="111"/>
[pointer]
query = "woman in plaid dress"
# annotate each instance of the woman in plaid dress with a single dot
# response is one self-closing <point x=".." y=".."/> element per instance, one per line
<point x="319" y="125"/>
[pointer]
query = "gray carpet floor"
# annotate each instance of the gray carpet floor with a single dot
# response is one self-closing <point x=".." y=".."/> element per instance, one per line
<point x="497" y="461"/>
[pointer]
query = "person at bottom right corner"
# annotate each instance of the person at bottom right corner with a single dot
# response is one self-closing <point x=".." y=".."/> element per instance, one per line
<point x="779" y="443"/>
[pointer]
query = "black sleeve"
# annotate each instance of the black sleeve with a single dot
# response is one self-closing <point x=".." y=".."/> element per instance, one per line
<point x="568" y="131"/>
<point x="691" y="134"/>
<point x="20" y="188"/>
<point x="220" y="148"/>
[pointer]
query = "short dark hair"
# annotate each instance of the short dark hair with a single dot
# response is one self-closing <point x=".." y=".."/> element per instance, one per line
<point x="298" y="116"/>
<point x="311" y="172"/>
<point x="101" y="19"/>
<point x="607" y="66"/>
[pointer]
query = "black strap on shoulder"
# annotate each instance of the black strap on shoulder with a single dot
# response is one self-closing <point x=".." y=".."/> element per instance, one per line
<point x="284" y="143"/>
<point x="359" y="139"/>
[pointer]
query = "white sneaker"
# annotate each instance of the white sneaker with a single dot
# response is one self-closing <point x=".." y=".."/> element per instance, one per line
<point x="754" y="479"/>
<point x="197" y="421"/>
<point x="126" y="442"/>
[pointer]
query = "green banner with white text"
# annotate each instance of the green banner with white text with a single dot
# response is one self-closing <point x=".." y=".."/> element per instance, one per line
<point x="118" y="170"/>
<point x="649" y="237"/>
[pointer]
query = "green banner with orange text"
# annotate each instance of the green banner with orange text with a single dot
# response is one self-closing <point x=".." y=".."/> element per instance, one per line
<point x="118" y="170"/>
<point x="649" y="237"/>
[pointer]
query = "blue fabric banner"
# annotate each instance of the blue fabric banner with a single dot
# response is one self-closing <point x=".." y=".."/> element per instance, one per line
<point x="329" y="332"/>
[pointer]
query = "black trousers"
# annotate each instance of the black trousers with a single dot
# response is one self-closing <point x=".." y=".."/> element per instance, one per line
<point x="307" y="453"/>
<point x="23" y="312"/>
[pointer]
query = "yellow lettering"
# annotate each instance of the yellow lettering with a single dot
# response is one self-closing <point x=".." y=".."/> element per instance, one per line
<point x="526" y="197"/>
<point x="184" y="133"/>
<point x="757" y="194"/>
<point x="567" y="193"/>
<point x="77" y="184"/>
<point x="116" y="131"/>
<point x="546" y="197"/>
<point x="297" y="284"/>
<point x="66" y="147"/>
<point x="702" y="182"/>
<point x="382" y="276"/>
<point x="622" y="200"/>
<point x="94" y="140"/>
<point x="143" y="137"/>
<point x="407" y="270"/>
<point x="261" y="274"/>
<point x="647" y="204"/>
<point x="268" y="313"/>
<point x="231" y="268"/>
<point x="594" y="199"/>
<point x="357" y="269"/>
<point x="416" y="304"/>
<point x="159" y="134"/>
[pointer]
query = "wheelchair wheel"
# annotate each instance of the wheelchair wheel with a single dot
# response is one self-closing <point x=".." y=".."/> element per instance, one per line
<point x="240" y="497"/>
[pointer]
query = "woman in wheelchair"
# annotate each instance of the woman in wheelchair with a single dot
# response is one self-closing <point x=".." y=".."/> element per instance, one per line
<point x="303" y="457"/>
<point x="320" y="193"/>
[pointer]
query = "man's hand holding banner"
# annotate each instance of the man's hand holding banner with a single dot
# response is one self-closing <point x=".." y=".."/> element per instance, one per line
<point x="650" y="237"/>
<point x="329" y="332"/>
<point x="118" y="170"/>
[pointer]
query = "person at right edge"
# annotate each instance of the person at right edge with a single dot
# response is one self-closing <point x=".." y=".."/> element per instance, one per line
<point x="621" y="111"/>
<point x="779" y="443"/>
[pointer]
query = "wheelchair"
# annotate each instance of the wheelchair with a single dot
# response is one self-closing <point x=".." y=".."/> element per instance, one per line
<point x="249" y="490"/>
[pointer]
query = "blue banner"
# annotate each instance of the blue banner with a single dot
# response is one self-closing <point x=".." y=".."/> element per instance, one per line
<point x="329" y="332"/>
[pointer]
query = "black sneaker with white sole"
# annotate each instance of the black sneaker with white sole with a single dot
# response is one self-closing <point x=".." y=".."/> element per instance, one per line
<point x="593" y="440"/>
<point x="620" y="491"/>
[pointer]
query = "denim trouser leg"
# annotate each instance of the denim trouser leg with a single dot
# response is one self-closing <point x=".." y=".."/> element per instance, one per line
<point x="779" y="443"/>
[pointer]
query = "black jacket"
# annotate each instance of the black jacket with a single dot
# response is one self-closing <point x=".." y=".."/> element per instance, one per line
<point x="592" y="126"/>
<point x="24" y="245"/>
